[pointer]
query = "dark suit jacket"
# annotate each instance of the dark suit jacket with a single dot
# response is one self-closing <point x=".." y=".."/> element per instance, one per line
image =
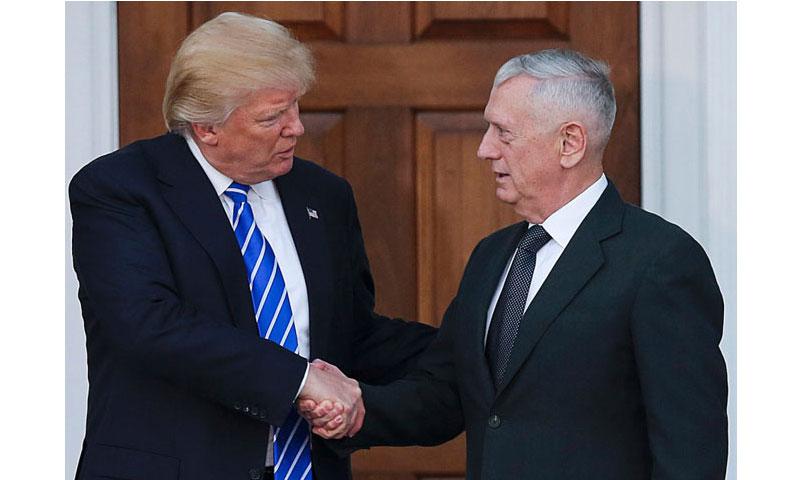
<point x="180" y="384"/>
<point x="615" y="374"/>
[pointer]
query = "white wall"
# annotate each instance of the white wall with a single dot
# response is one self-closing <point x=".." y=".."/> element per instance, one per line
<point x="91" y="130"/>
<point x="688" y="55"/>
<point x="688" y="65"/>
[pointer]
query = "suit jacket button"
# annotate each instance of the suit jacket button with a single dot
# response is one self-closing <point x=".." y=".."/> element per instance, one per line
<point x="494" y="421"/>
<point x="256" y="473"/>
<point x="246" y="409"/>
<point x="237" y="406"/>
<point x="254" y="411"/>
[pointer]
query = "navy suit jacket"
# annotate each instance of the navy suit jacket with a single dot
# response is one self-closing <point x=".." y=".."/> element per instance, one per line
<point x="615" y="373"/>
<point x="180" y="384"/>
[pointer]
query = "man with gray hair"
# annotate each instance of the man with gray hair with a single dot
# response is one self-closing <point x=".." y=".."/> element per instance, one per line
<point x="583" y="342"/>
<point x="213" y="265"/>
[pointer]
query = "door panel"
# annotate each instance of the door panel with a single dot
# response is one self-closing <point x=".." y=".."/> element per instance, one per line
<point x="397" y="110"/>
<point x="498" y="20"/>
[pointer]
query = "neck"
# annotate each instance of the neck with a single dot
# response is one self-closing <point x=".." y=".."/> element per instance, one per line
<point x="539" y="209"/>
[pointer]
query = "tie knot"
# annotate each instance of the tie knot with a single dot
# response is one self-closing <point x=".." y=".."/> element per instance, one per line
<point x="534" y="239"/>
<point x="237" y="192"/>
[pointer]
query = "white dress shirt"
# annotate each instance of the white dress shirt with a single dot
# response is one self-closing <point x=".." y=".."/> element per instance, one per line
<point x="561" y="226"/>
<point x="271" y="220"/>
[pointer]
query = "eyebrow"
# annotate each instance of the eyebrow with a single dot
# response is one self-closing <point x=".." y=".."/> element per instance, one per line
<point x="495" y="121"/>
<point x="271" y="112"/>
<point x="499" y="124"/>
<point x="280" y="108"/>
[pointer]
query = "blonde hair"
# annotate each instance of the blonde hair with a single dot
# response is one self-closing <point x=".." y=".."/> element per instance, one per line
<point x="223" y="61"/>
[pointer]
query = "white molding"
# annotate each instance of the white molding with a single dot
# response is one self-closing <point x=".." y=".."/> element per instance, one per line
<point x="651" y="33"/>
<point x="720" y="187"/>
<point x="672" y="113"/>
<point x="92" y="126"/>
<point x="688" y="69"/>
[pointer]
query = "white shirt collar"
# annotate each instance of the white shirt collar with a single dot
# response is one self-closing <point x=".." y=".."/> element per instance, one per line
<point x="563" y="223"/>
<point x="219" y="180"/>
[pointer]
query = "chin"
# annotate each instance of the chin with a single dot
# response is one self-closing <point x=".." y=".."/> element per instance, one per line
<point x="282" y="167"/>
<point x="285" y="166"/>
<point x="505" y="196"/>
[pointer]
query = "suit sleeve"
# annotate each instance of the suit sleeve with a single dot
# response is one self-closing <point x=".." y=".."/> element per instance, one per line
<point x="423" y="408"/>
<point x="676" y="328"/>
<point x="133" y="306"/>
<point x="384" y="348"/>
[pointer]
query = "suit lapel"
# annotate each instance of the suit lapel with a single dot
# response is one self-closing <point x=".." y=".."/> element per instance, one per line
<point x="191" y="196"/>
<point x="482" y="291"/>
<point x="576" y="266"/>
<point x="306" y="222"/>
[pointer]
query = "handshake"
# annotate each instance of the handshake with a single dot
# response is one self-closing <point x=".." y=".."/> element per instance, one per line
<point x="331" y="402"/>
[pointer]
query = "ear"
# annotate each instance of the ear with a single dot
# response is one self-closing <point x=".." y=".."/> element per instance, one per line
<point x="205" y="133"/>
<point x="573" y="144"/>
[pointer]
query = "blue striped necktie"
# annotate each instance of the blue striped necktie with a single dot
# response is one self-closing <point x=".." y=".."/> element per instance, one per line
<point x="291" y="447"/>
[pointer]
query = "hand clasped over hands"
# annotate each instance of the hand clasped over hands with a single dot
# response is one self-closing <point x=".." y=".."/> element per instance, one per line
<point x="331" y="402"/>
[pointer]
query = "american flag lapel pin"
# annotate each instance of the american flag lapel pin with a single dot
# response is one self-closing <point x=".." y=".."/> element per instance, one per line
<point x="312" y="213"/>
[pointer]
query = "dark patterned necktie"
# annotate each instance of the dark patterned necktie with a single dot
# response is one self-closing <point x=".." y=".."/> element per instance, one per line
<point x="511" y="304"/>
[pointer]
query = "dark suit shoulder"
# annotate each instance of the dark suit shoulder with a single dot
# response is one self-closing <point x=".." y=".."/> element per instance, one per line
<point x="317" y="175"/>
<point x="649" y="228"/>
<point x="492" y="244"/>
<point x="127" y="167"/>
<point x="330" y="189"/>
<point x="658" y="243"/>
<point x="500" y="235"/>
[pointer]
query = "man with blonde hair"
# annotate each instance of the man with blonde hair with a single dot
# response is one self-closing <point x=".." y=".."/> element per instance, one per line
<point x="213" y="264"/>
<point x="583" y="342"/>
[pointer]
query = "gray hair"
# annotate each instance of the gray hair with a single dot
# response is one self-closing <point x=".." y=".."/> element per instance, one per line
<point x="223" y="61"/>
<point x="568" y="80"/>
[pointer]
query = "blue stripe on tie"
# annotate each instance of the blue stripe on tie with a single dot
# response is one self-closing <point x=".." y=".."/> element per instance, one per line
<point x="270" y="307"/>
<point x="282" y="441"/>
<point x="306" y="473"/>
<point x="295" y="469"/>
<point x="244" y="224"/>
<point x="284" y="332"/>
<point x="253" y="249"/>
<point x="260" y="280"/>
<point x="236" y="214"/>
<point x="273" y="310"/>
<point x="268" y="263"/>
<point x="259" y="291"/>
<point x="259" y="261"/>
<point x="288" y="461"/>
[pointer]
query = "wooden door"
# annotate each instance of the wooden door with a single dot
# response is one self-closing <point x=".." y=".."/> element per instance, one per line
<point x="397" y="110"/>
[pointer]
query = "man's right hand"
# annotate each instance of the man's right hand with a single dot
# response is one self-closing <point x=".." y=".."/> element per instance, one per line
<point x="335" y="398"/>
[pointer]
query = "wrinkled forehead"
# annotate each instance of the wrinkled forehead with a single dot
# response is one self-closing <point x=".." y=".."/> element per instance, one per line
<point x="512" y="97"/>
<point x="269" y="98"/>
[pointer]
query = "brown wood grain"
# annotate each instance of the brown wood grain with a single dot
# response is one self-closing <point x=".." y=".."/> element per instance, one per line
<point x="324" y="140"/>
<point x="500" y="20"/>
<point x="597" y="31"/>
<point x="428" y="75"/>
<point x="149" y="34"/>
<point x="379" y="164"/>
<point x="307" y="20"/>
<point x="456" y="204"/>
<point x="378" y="22"/>
<point x="446" y="460"/>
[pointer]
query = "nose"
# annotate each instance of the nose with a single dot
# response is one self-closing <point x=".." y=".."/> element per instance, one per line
<point x="294" y="127"/>
<point x="487" y="149"/>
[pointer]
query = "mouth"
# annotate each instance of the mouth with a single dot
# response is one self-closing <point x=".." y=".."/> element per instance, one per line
<point x="500" y="175"/>
<point x="287" y="151"/>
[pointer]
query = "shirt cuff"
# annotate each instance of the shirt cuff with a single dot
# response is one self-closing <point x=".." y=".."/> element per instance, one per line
<point x="303" y="383"/>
